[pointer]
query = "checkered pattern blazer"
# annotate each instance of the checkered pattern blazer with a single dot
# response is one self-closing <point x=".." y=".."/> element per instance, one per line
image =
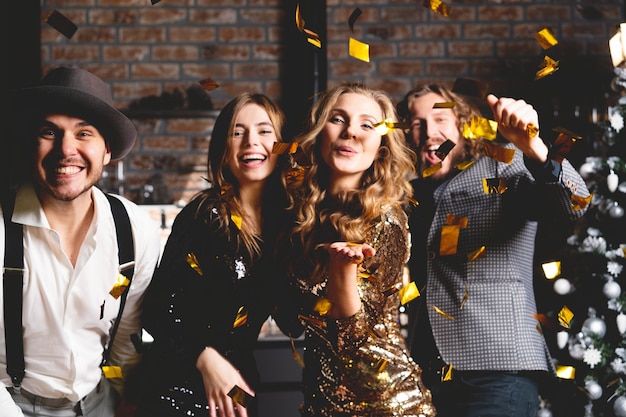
<point x="486" y="306"/>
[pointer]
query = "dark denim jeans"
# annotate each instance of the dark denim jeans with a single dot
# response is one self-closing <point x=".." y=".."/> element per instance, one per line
<point x="488" y="394"/>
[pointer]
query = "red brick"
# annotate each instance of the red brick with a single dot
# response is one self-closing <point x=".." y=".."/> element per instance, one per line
<point x="202" y="71"/>
<point x="421" y="49"/>
<point x="175" y="53"/>
<point x="95" y="34"/>
<point x="439" y="31"/>
<point x="125" y="52"/>
<point x="113" y="17"/>
<point x="261" y="16"/>
<point x="255" y="70"/>
<point x="226" y="52"/>
<point x="195" y="34"/>
<point x="488" y="30"/>
<point x="166" y="143"/>
<point x="214" y="16"/>
<point x="495" y="13"/>
<point x="448" y="67"/>
<point x="75" y="53"/>
<point x="471" y="49"/>
<point x="548" y="12"/>
<point x="242" y="34"/>
<point x="194" y="125"/>
<point x="142" y="35"/>
<point x="156" y="16"/>
<point x="400" y="68"/>
<point x="154" y="71"/>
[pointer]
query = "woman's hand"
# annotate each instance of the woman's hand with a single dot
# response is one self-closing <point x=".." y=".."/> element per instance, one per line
<point x="219" y="377"/>
<point x="341" y="289"/>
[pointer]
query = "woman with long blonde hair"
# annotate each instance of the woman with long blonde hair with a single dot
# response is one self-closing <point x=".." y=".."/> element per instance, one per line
<point x="347" y="249"/>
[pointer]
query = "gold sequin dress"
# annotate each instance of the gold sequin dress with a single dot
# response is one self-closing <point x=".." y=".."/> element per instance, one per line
<point x="358" y="365"/>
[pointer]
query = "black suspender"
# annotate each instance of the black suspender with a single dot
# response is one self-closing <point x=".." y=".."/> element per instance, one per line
<point x="13" y="279"/>
<point x="126" y="254"/>
<point x="14" y="274"/>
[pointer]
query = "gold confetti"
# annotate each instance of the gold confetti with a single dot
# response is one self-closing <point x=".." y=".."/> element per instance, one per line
<point x="449" y="239"/>
<point x="382" y="128"/>
<point x="322" y="306"/>
<point x="241" y="318"/>
<point x="112" y="371"/>
<point x="565" y="316"/>
<point x="465" y="164"/>
<point x="394" y="289"/>
<point x="562" y="144"/>
<point x="120" y="285"/>
<point x="413" y="201"/>
<point x="548" y="67"/>
<point x="432" y="169"/>
<point x="444" y="105"/>
<point x="192" y="260"/>
<point x="478" y="253"/>
<point x="237" y="220"/>
<point x="565" y="372"/>
<point x="460" y="221"/>
<point x="580" y="203"/>
<point x="208" y="84"/>
<point x="61" y="23"/>
<point x="312" y="37"/>
<point x="546" y="38"/>
<point x="408" y="293"/>
<point x="359" y="50"/>
<point x="531" y="130"/>
<point x="499" y="153"/>
<point x="465" y="296"/>
<point x="380" y="366"/>
<point x="284" y="148"/>
<point x="437" y="6"/>
<point x="444" y="149"/>
<point x="446" y="373"/>
<point x="551" y="269"/>
<point x="353" y="17"/>
<point x="296" y="355"/>
<point x="442" y="313"/>
<point x="480" y="128"/>
<point x="241" y="396"/>
<point x="494" y="185"/>
<point x="317" y="322"/>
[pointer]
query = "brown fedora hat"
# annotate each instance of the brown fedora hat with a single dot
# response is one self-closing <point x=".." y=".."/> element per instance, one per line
<point x="79" y="93"/>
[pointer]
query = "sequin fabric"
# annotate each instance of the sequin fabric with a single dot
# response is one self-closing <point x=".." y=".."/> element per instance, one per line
<point x="359" y="366"/>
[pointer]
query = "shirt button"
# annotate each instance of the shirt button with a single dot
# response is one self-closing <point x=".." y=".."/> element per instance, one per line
<point x="430" y="255"/>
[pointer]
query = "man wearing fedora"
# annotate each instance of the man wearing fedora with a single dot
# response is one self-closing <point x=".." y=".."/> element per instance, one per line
<point x="72" y="283"/>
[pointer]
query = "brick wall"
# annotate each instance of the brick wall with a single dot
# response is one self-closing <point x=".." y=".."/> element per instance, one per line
<point x="155" y="51"/>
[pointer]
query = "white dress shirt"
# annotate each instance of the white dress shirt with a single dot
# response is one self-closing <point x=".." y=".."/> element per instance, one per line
<point x="68" y="312"/>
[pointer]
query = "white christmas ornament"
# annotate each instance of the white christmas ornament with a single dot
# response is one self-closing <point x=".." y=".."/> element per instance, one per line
<point x="577" y="351"/>
<point x="562" y="337"/>
<point x="593" y="325"/>
<point x="612" y="289"/>
<point x="544" y="412"/>
<point x="616" y="211"/>
<point x="594" y="390"/>
<point x="621" y="322"/>
<point x="562" y="286"/>
<point x="612" y="181"/>
<point x="619" y="406"/>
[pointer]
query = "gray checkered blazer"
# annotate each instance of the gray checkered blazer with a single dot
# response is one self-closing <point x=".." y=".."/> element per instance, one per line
<point x="494" y="329"/>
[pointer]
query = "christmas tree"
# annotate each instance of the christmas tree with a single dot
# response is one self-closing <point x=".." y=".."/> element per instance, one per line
<point x="584" y="318"/>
